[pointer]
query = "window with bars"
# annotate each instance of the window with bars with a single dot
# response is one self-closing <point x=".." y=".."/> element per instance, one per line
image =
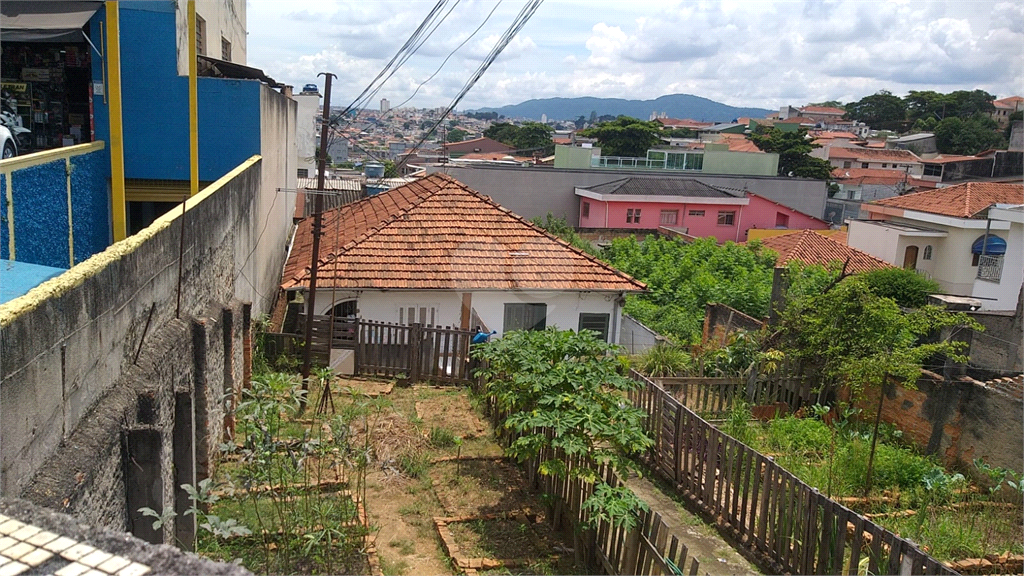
<point x="200" y="36"/>
<point x="225" y="49"/>
<point x="990" y="268"/>
<point x="585" y="210"/>
<point x="632" y="215"/>
<point x="726" y="218"/>
<point x="520" y="316"/>
<point x="669" y="217"/>
<point x="596" y="323"/>
<point x="695" y="213"/>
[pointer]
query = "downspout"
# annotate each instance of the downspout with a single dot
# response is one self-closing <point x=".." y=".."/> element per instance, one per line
<point x="739" y="223"/>
<point x="119" y="216"/>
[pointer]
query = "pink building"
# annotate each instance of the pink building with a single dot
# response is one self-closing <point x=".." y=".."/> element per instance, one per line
<point x="687" y="206"/>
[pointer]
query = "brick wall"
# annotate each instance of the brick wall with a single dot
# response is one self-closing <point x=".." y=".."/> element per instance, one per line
<point x="721" y="320"/>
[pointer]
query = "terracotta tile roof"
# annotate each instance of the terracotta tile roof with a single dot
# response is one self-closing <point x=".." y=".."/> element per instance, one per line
<point x="828" y="135"/>
<point x="493" y="156"/>
<point x="962" y="201"/>
<point x="810" y="247"/>
<point x="684" y="123"/>
<point x="739" y="143"/>
<point x="875" y="144"/>
<point x="798" y="120"/>
<point x="943" y="158"/>
<point x="823" y="110"/>
<point x="870" y="176"/>
<point x="436" y="233"/>
<point x="1010" y="102"/>
<point x="872" y="154"/>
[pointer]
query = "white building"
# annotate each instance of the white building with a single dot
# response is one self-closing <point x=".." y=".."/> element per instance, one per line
<point x="306" y="133"/>
<point x="968" y="238"/>
<point x="385" y="105"/>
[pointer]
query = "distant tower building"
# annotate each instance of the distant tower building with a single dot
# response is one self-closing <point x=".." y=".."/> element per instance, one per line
<point x="543" y="118"/>
<point x="385" y="105"/>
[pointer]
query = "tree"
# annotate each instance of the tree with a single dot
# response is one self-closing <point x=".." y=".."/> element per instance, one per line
<point x="563" y="394"/>
<point x="958" y="136"/>
<point x="907" y="288"/>
<point x="390" y="169"/>
<point x="923" y="105"/>
<point x="580" y="122"/>
<point x="502" y="132"/>
<point x="881" y="110"/>
<point x="625" y="136"/>
<point x="456" y="135"/>
<point x="860" y="339"/>
<point x="533" y="136"/>
<point x="680" y="133"/>
<point x="794" y="150"/>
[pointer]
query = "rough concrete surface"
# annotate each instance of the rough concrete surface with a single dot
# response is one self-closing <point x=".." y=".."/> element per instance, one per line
<point x="162" y="559"/>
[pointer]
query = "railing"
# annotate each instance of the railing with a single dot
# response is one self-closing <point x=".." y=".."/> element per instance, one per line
<point x="990" y="268"/>
<point x="763" y="506"/>
<point x="715" y="397"/>
<point x="421" y="353"/>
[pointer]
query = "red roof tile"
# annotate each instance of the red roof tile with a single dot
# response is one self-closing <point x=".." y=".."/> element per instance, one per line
<point x="809" y="247"/>
<point x="823" y="110"/>
<point x="685" y="123"/>
<point x="436" y="233"/>
<point x="869" y="176"/>
<point x="962" y="201"/>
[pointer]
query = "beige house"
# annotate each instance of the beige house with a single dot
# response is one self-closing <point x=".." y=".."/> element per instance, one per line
<point x="968" y="238"/>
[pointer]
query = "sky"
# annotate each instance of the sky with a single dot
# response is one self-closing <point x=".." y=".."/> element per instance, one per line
<point x="741" y="53"/>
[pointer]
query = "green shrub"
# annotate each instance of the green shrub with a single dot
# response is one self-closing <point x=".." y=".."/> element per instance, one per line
<point x="664" y="360"/>
<point x="907" y="287"/>
<point x="894" y="467"/>
<point x="791" y="434"/>
<point x="414" y="464"/>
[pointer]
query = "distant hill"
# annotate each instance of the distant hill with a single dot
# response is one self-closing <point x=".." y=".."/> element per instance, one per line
<point x="675" y="105"/>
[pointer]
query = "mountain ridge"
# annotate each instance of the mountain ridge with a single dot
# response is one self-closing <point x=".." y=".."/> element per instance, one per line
<point x="674" y="105"/>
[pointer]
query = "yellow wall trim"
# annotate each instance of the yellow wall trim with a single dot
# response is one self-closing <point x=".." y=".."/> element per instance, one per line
<point x="47" y="156"/>
<point x="62" y="284"/>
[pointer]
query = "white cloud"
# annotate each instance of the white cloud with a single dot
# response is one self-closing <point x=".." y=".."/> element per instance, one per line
<point x="741" y="53"/>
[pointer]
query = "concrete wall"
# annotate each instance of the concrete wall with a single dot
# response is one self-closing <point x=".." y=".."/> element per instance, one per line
<point x="224" y="18"/>
<point x="68" y="342"/>
<point x="307" y="110"/>
<point x="574" y="156"/>
<point x="635" y="338"/>
<point x="532" y="192"/>
<point x="1000" y="348"/>
<point x="563" y="308"/>
<point x="740" y="163"/>
<point x="55" y="205"/>
<point x="958" y="421"/>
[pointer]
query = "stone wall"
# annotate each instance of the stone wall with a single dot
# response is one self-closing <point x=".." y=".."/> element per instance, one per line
<point x="958" y="421"/>
<point x="97" y="362"/>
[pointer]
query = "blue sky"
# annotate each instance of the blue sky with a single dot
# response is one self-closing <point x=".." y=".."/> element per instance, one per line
<point x="743" y="53"/>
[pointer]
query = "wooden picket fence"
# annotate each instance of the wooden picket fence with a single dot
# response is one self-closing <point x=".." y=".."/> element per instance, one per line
<point x="714" y="398"/>
<point x="419" y="352"/>
<point x="648" y="548"/>
<point x="766" y="509"/>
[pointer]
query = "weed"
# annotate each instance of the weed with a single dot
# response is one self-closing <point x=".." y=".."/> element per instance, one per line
<point x="442" y="437"/>
<point x="406" y="547"/>
<point x="391" y="567"/>
<point x="414" y="464"/>
<point x="664" y="360"/>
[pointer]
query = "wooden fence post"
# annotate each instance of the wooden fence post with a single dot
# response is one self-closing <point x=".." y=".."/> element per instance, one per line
<point x="415" y="349"/>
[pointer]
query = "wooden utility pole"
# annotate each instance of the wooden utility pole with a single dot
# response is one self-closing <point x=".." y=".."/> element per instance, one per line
<point x="318" y="215"/>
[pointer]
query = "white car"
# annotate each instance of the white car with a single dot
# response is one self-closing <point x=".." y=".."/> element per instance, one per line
<point x="10" y="145"/>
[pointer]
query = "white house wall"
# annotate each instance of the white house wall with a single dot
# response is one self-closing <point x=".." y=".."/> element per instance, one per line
<point x="563" y="308"/>
<point x="1006" y="291"/>
<point x="305" y="130"/>
<point x="224" y="19"/>
<point x="879" y="241"/>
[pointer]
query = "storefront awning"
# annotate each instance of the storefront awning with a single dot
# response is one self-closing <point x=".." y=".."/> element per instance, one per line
<point x="45" y="20"/>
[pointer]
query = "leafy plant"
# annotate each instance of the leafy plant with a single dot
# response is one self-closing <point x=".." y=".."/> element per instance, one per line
<point x="663" y="359"/>
<point x="441" y="437"/>
<point x="563" y="396"/>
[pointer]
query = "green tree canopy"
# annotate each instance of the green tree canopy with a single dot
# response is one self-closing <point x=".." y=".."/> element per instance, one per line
<point x="907" y="288"/>
<point x="679" y="133"/>
<point x="529" y="137"/>
<point x="931" y="106"/>
<point x="955" y="135"/>
<point x="794" y="150"/>
<point x="502" y="132"/>
<point x="456" y="135"/>
<point x="625" y="136"/>
<point x="880" y="111"/>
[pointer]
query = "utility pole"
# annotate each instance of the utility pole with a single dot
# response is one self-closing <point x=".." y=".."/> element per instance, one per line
<point x="318" y="216"/>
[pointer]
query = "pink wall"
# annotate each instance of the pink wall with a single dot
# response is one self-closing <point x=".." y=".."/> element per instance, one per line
<point x="760" y="213"/>
<point x="763" y="213"/>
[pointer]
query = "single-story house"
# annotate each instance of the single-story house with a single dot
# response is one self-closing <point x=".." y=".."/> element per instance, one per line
<point x="438" y="253"/>
<point x="684" y="205"/>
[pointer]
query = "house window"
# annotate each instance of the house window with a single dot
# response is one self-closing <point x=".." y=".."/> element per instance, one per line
<point x="990" y="267"/>
<point x="632" y="215"/>
<point x="933" y="169"/>
<point x="695" y="213"/>
<point x="585" y="210"/>
<point x="781" y="220"/>
<point x="200" y="36"/>
<point x="848" y="164"/>
<point x="303" y="172"/>
<point x="225" y="49"/>
<point x="863" y="164"/>
<point x="669" y="217"/>
<point x="886" y="165"/>
<point x="927" y="253"/>
<point x="726" y="218"/>
<point x="525" y="317"/>
<point x="408" y="315"/>
<point x="595" y="322"/>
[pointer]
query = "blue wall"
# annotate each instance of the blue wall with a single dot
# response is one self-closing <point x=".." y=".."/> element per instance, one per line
<point x="155" y="103"/>
<point x="40" y="197"/>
